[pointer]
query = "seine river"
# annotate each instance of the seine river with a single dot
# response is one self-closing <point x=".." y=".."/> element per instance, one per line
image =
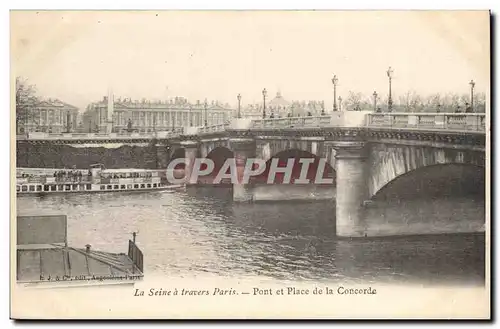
<point x="201" y="232"/>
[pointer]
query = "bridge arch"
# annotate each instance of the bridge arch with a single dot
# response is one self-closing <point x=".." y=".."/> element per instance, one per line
<point x="266" y="149"/>
<point x="297" y="154"/>
<point x="218" y="155"/>
<point x="390" y="163"/>
<point x="435" y="181"/>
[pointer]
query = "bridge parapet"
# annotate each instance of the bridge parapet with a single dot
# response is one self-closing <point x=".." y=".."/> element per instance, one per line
<point x="94" y="136"/>
<point x="214" y="128"/>
<point x="455" y="122"/>
<point x="441" y="121"/>
<point x="316" y="121"/>
<point x="336" y="119"/>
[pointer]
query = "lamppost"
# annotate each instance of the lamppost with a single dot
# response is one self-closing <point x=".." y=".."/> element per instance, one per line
<point x="472" y="84"/>
<point x="68" y="122"/>
<point x="205" y="104"/>
<point x="389" y="75"/>
<point x="190" y="115"/>
<point x="340" y="103"/>
<point x="264" y="94"/>
<point x="334" y="81"/>
<point x="129" y="125"/>
<point x="239" y="106"/>
<point x="375" y="95"/>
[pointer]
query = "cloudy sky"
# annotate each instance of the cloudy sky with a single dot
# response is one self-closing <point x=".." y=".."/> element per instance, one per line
<point x="76" y="56"/>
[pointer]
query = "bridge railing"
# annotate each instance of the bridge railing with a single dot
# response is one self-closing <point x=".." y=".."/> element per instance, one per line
<point x="213" y="128"/>
<point x="293" y="122"/>
<point x="97" y="136"/>
<point x="445" y="121"/>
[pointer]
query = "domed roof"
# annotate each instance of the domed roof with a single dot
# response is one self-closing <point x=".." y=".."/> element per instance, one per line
<point x="279" y="101"/>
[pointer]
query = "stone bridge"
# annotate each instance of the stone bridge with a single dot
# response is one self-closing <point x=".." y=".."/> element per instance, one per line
<point x="367" y="151"/>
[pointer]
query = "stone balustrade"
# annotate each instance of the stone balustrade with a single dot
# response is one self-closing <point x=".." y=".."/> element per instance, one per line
<point x="293" y="122"/>
<point x="445" y="121"/>
<point x="423" y="121"/>
<point x="97" y="136"/>
<point x="213" y="129"/>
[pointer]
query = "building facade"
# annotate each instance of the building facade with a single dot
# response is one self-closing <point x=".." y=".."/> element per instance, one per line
<point x="279" y="107"/>
<point x="51" y="116"/>
<point x="121" y="115"/>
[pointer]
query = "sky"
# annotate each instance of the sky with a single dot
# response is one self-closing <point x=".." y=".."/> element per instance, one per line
<point x="77" y="56"/>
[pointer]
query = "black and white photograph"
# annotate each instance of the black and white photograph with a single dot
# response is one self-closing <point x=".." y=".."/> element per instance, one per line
<point x="239" y="164"/>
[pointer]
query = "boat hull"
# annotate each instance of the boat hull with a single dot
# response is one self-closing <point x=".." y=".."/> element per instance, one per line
<point x="126" y="190"/>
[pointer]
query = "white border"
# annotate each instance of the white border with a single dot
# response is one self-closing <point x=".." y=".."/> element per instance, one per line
<point x="185" y="4"/>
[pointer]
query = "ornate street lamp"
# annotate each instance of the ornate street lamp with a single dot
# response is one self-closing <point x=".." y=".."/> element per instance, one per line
<point x="239" y="106"/>
<point x="205" y="104"/>
<point x="472" y="85"/>
<point x="390" y="71"/>
<point x="68" y="121"/>
<point x="335" y="80"/>
<point x="340" y="103"/>
<point x="264" y="94"/>
<point x="375" y="95"/>
<point x="129" y="125"/>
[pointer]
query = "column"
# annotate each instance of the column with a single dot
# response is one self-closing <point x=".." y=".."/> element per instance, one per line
<point x="191" y="150"/>
<point x="351" y="189"/>
<point x="243" y="148"/>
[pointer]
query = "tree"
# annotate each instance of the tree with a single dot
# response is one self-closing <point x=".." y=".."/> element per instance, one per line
<point x="353" y="101"/>
<point x="480" y="102"/>
<point x="410" y="102"/>
<point x="432" y="103"/>
<point x="25" y="102"/>
<point x="464" y="99"/>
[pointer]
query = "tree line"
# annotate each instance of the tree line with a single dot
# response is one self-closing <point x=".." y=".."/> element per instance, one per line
<point x="26" y="101"/>
<point x="413" y="102"/>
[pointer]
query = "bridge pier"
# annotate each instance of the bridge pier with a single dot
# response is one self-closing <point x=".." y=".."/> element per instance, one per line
<point x="243" y="149"/>
<point x="191" y="150"/>
<point x="162" y="156"/>
<point x="351" y="189"/>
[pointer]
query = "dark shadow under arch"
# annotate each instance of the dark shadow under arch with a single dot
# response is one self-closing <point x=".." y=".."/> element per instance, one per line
<point x="436" y="181"/>
<point x="178" y="153"/>
<point x="219" y="155"/>
<point x="297" y="154"/>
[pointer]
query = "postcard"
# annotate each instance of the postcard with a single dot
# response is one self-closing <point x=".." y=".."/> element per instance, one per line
<point x="246" y="164"/>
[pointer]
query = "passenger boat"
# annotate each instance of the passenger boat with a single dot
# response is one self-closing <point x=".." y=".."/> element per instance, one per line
<point x="96" y="179"/>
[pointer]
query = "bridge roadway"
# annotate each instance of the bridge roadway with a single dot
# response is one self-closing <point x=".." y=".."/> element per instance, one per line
<point x="367" y="150"/>
<point x="451" y="122"/>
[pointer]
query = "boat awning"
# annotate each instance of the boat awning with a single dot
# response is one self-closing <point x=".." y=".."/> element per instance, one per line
<point x="43" y="255"/>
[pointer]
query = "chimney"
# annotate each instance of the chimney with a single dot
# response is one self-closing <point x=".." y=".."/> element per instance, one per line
<point x="87" y="248"/>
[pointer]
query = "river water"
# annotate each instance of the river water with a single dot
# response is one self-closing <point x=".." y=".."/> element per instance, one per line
<point x="201" y="232"/>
